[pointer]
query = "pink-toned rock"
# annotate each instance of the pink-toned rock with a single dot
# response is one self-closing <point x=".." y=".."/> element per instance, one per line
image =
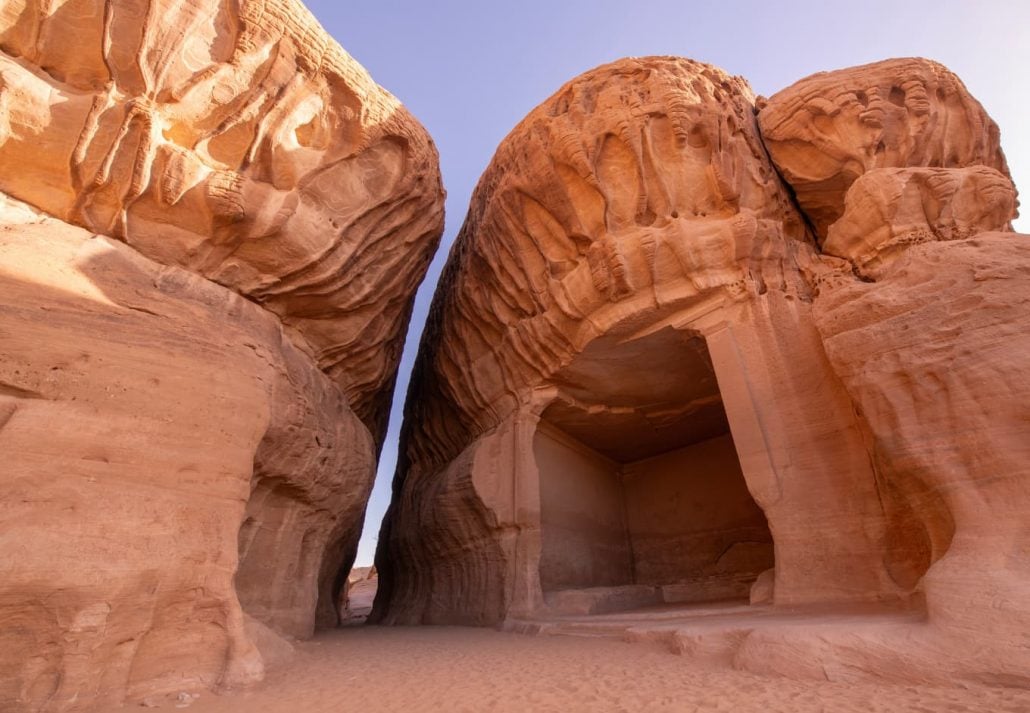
<point x="931" y="346"/>
<point x="888" y="210"/>
<point x="238" y="141"/>
<point x="826" y="130"/>
<point x="621" y="384"/>
<point x="212" y="226"/>
<point x="934" y="354"/>
<point x="645" y="381"/>
<point x="358" y="595"/>
<point x="170" y="456"/>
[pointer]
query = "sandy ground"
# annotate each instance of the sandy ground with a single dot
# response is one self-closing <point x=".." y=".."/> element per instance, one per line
<point x="418" y="669"/>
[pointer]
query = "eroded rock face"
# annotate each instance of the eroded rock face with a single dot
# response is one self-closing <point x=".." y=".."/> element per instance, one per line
<point x="931" y="347"/>
<point x="825" y="131"/>
<point x="238" y="141"/>
<point x="644" y="181"/>
<point x="644" y="382"/>
<point x="147" y="413"/>
<point x="934" y="354"/>
<point x="624" y="294"/>
<point x="212" y="225"/>
<point x="888" y="210"/>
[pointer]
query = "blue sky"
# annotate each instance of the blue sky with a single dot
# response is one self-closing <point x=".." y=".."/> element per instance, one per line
<point x="471" y="70"/>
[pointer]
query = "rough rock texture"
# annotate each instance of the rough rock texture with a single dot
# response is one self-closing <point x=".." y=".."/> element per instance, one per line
<point x="624" y="294"/>
<point x="146" y="413"/>
<point x="212" y="225"/>
<point x="238" y="141"/>
<point x="888" y="210"/>
<point x="826" y="130"/>
<point x="646" y="381"/>
<point x="936" y="356"/>
<point x="358" y="595"/>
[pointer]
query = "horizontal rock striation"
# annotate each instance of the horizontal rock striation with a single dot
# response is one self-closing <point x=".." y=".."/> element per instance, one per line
<point x="238" y="141"/>
<point x="630" y="261"/>
<point x="147" y="413"/>
<point x="643" y="181"/>
<point x="825" y="131"/>
<point x="212" y="227"/>
<point x="888" y="210"/>
<point x="651" y="377"/>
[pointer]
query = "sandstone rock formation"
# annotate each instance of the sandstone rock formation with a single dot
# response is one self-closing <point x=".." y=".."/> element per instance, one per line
<point x="828" y="129"/>
<point x="934" y="354"/>
<point x="890" y="209"/>
<point x="624" y="300"/>
<point x="650" y="376"/>
<point x="213" y="225"/>
<point x="358" y="594"/>
<point x="238" y="141"/>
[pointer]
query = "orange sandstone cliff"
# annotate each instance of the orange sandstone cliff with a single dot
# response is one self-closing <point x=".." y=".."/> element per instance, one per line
<point x="212" y="226"/>
<point x="692" y="347"/>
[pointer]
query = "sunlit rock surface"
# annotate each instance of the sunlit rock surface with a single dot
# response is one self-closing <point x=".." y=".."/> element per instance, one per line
<point x="888" y="210"/>
<point x="238" y="141"/>
<point x="827" y="130"/>
<point x="212" y="226"/>
<point x="652" y="377"/>
<point x="621" y="386"/>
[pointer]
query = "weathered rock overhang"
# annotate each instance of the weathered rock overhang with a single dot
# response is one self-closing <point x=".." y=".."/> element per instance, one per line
<point x="652" y="202"/>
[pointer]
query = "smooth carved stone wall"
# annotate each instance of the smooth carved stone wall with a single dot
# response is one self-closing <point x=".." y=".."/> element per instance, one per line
<point x="238" y="141"/>
<point x="683" y="517"/>
<point x="691" y="517"/>
<point x="583" y="512"/>
<point x="630" y="274"/>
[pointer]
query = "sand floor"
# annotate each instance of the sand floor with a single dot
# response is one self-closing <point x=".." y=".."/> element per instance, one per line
<point x="455" y="669"/>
